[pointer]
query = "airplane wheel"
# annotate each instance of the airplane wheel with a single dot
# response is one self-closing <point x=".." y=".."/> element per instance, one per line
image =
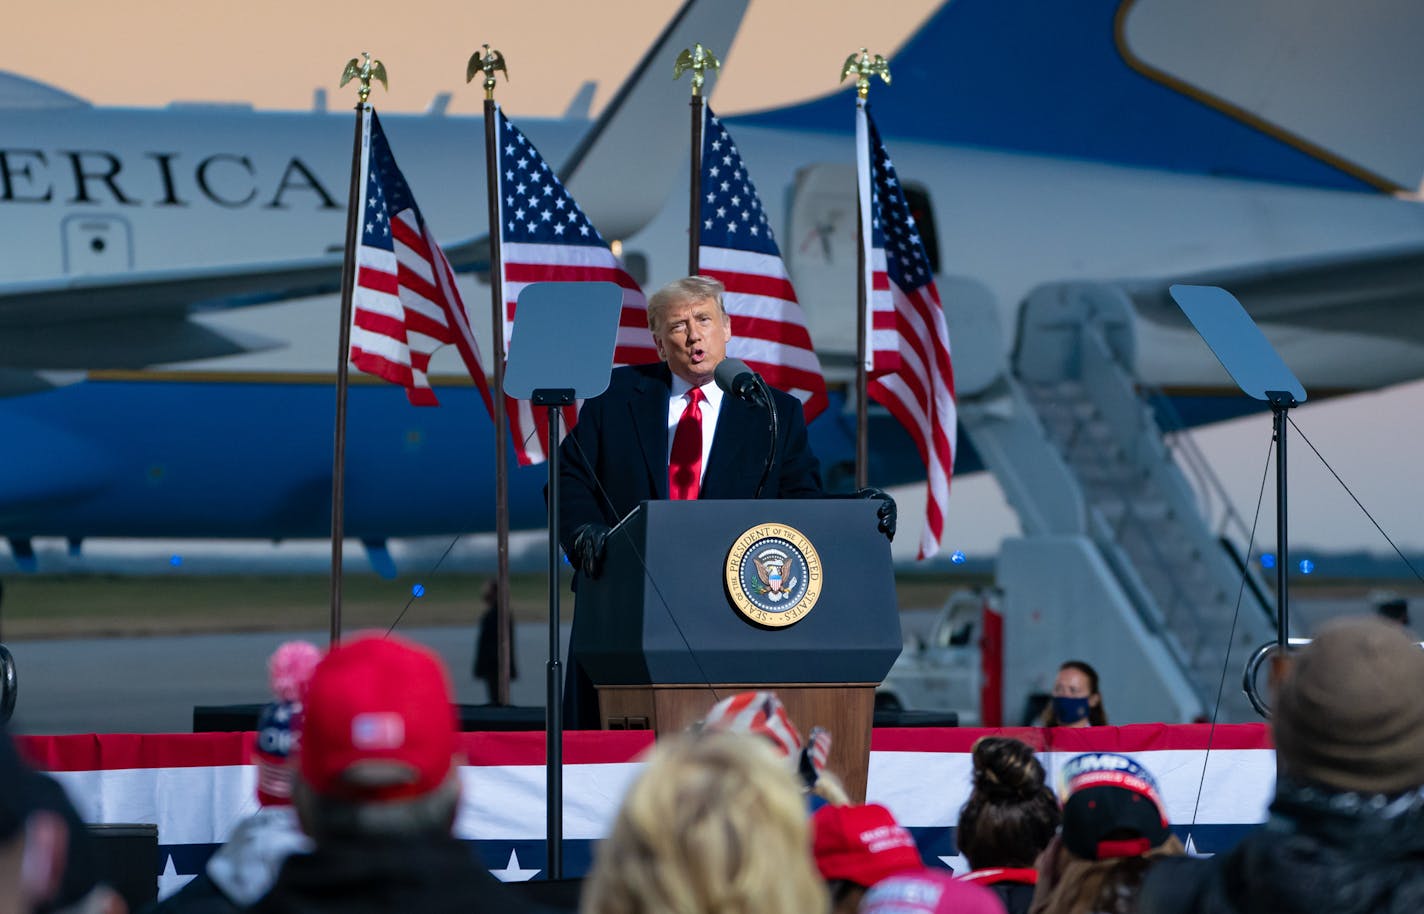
<point x="9" y="684"/>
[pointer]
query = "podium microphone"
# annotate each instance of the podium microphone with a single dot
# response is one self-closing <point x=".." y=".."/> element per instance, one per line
<point x="735" y="377"/>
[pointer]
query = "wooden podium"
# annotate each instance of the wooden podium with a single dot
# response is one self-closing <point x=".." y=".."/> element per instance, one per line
<point x="700" y="600"/>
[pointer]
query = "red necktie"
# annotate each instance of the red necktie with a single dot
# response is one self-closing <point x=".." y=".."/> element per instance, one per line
<point x="685" y="463"/>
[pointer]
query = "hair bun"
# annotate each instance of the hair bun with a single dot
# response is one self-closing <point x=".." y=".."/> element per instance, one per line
<point x="1006" y="768"/>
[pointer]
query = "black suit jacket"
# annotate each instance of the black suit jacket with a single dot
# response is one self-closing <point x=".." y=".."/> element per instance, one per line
<point x="616" y="455"/>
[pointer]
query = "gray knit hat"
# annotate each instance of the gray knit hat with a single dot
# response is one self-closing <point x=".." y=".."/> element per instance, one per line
<point x="1349" y="713"/>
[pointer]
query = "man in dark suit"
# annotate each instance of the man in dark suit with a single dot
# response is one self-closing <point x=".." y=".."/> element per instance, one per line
<point x="667" y="431"/>
<point x="621" y="452"/>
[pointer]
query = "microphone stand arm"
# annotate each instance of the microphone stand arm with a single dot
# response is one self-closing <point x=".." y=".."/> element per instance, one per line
<point x="775" y="433"/>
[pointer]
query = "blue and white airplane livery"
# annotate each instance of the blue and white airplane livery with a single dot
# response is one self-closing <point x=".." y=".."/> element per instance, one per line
<point x="168" y="322"/>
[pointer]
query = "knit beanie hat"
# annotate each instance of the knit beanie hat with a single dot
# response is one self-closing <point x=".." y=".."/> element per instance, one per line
<point x="1348" y="713"/>
<point x="279" y="725"/>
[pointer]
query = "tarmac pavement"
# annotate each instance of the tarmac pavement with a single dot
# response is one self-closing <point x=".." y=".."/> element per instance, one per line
<point x="151" y="684"/>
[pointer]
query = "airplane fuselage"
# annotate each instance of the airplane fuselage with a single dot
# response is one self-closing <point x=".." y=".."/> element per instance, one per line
<point x="240" y="445"/>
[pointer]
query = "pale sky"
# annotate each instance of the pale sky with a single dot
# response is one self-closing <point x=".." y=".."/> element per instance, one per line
<point x="274" y="53"/>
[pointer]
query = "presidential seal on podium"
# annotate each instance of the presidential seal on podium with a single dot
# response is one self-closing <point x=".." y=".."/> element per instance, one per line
<point x="773" y="575"/>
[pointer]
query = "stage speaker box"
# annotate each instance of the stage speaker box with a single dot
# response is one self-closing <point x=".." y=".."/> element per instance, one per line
<point x="126" y="856"/>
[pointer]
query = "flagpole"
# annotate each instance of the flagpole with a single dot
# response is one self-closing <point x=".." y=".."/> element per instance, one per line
<point x="364" y="72"/>
<point x="697" y="59"/>
<point x="862" y="66"/>
<point x="488" y="63"/>
<point x="862" y="309"/>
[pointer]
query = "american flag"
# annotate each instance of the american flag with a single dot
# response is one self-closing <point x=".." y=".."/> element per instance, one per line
<point x="545" y="237"/>
<point x="759" y="713"/>
<point x="404" y="304"/>
<point x="738" y="248"/>
<point x="911" y="375"/>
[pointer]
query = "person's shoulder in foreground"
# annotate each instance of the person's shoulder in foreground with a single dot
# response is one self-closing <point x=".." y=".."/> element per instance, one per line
<point x="1346" y="828"/>
<point x="378" y="789"/>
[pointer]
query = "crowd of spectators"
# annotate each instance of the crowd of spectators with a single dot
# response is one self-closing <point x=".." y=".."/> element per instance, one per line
<point x="740" y="816"/>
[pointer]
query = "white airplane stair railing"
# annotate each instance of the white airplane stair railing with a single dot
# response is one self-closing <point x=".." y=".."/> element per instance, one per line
<point x="1074" y="364"/>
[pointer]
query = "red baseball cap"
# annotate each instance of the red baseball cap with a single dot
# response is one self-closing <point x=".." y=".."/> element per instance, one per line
<point x="861" y="844"/>
<point x="379" y="721"/>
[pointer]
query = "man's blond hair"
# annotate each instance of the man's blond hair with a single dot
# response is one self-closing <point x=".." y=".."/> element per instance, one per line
<point x="680" y="291"/>
<point x="715" y="823"/>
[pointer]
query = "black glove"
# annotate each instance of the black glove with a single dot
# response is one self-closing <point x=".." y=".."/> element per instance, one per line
<point x="886" y="513"/>
<point x="590" y="543"/>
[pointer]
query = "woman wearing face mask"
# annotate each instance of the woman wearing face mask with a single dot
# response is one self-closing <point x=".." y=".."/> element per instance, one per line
<point x="1076" y="700"/>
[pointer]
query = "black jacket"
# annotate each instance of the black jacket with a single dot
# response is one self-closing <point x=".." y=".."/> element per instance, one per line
<point x="617" y="454"/>
<point x="1321" y="852"/>
<point x="409" y="875"/>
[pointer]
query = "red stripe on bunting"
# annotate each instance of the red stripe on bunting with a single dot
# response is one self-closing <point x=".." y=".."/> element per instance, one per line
<point x="119" y="751"/>
<point x="1131" y="738"/>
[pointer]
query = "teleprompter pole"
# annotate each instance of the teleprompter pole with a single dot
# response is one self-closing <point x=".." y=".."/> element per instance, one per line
<point x="1281" y="403"/>
<point x="554" y="400"/>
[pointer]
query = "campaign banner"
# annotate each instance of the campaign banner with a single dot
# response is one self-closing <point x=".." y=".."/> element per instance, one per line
<point x="1217" y="784"/>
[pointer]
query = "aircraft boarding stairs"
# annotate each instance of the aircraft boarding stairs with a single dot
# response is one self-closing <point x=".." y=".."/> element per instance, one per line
<point x="1124" y="562"/>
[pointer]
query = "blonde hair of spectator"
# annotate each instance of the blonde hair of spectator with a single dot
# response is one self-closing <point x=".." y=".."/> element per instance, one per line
<point x="715" y="824"/>
<point x="829" y="788"/>
<point x="1070" y="885"/>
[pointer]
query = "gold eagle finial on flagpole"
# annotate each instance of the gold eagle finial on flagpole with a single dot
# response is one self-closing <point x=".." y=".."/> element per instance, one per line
<point x="862" y="66"/>
<point x="487" y="63"/>
<point x="365" y="72"/>
<point x="697" y="59"/>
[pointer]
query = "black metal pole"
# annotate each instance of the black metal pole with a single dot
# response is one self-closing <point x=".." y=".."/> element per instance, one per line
<point x="694" y="227"/>
<point x="862" y="303"/>
<point x="338" y="457"/>
<point x="1279" y="404"/>
<point x="501" y="419"/>
<point x="862" y="411"/>
<point x="554" y="711"/>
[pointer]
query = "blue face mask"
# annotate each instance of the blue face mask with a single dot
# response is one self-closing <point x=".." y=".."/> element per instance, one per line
<point x="1069" y="710"/>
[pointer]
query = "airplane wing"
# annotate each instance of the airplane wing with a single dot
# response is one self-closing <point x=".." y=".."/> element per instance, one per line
<point x="1371" y="292"/>
<point x="138" y="319"/>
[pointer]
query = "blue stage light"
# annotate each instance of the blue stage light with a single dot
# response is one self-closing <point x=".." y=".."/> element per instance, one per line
<point x="175" y="560"/>
<point x="1306" y="566"/>
<point x="1268" y="560"/>
<point x="418" y="590"/>
<point x="957" y="557"/>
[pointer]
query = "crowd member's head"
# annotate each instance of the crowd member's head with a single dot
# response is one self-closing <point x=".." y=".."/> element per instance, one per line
<point x="690" y="327"/>
<point x="857" y="846"/>
<point x="1347" y="713"/>
<point x="1076" y="700"/>
<point x="289" y="669"/>
<point x="46" y="862"/>
<point x="1114" y="827"/>
<point x="761" y="714"/>
<point x="378" y="753"/>
<point x="1011" y="814"/>
<point x="715" y="823"/>
<point x="929" y="892"/>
